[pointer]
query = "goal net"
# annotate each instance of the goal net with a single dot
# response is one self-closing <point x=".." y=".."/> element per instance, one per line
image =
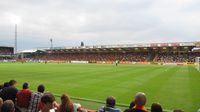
<point x="197" y="62"/>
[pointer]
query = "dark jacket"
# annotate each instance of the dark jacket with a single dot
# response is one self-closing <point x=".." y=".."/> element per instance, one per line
<point x="9" y="93"/>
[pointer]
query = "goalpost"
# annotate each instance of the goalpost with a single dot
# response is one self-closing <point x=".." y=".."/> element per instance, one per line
<point x="197" y="62"/>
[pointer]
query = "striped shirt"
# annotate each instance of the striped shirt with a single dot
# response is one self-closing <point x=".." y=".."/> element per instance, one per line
<point x="35" y="99"/>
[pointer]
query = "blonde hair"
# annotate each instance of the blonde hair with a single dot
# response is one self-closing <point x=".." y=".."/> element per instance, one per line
<point x="1" y="101"/>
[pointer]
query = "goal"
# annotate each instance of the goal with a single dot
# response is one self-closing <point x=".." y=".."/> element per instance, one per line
<point x="197" y="62"/>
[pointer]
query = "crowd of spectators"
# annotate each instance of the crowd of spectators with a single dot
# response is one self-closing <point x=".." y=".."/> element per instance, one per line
<point x="93" y="57"/>
<point x="6" y="51"/>
<point x="123" y="57"/>
<point x="24" y="100"/>
<point x="176" y="57"/>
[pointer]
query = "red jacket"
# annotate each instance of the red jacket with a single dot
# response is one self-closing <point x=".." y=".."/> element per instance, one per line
<point x="23" y="98"/>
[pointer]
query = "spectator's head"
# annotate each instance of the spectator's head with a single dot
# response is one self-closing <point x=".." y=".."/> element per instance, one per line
<point x="132" y="104"/>
<point x="8" y="106"/>
<point x="110" y="101"/>
<point x="6" y="84"/>
<point x="12" y="83"/>
<point x="155" y="107"/>
<point x="66" y="104"/>
<point x="25" y="85"/>
<point x="1" y="102"/>
<point x="65" y="99"/>
<point x="178" y="110"/>
<point x="47" y="101"/>
<point x="140" y="99"/>
<point x="41" y="88"/>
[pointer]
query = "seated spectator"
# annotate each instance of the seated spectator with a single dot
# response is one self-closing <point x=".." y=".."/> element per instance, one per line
<point x="23" y="98"/>
<point x="9" y="93"/>
<point x="110" y="105"/>
<point x="66" y="104"/>
<point x="35" y="99"/>
<point x="140" y="101"/>
<point x="8" y="106"/>
<point x="178" y="110"/>
<point x="155" y="107"/>
<point x="47" y="103"/>
<point x="132" y="104"/>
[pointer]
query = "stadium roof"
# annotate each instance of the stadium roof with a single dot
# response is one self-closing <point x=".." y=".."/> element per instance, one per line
<point x="7" y="46"/>
<point x="32" y="51"/>
<point x="174" y="46"/>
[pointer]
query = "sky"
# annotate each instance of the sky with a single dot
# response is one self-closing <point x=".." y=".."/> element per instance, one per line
<point x="98" y="22"/>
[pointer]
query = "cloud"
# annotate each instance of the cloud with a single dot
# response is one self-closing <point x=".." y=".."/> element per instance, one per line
<point x="96" y="22"/>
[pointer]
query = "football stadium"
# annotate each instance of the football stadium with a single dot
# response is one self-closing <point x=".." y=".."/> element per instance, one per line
<point x="99" y="56"/>
<point x="165" y="72"/>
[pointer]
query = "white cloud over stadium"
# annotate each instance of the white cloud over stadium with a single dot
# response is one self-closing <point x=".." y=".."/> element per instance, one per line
<point x="98" y="21"/>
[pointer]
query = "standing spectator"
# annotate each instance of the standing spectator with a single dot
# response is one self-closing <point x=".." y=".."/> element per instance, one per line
<point x="35" y="99"/>
<point x="23" y="98"/>
<point x="47" y="102"/>
<point x="8" y="106"/>
<point x="155" y="107"/>
<point x="140" y="101"/>
<point x="9" y="93"/>
<point x="66" y="104"/>
<point x="110" y="105"/>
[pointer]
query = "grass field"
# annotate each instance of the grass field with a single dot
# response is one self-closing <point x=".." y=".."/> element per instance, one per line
<point x="171" y="86"/>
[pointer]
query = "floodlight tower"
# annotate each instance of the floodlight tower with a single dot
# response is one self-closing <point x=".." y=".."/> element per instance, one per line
<point x="15" y="20"/>
<point x="15" y="38"/>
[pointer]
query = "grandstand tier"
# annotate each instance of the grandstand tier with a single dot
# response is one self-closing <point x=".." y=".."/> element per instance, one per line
<point x="129" y="53"/>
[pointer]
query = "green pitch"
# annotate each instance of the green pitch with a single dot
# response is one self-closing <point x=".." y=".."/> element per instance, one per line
<point x="171" y="86"/>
